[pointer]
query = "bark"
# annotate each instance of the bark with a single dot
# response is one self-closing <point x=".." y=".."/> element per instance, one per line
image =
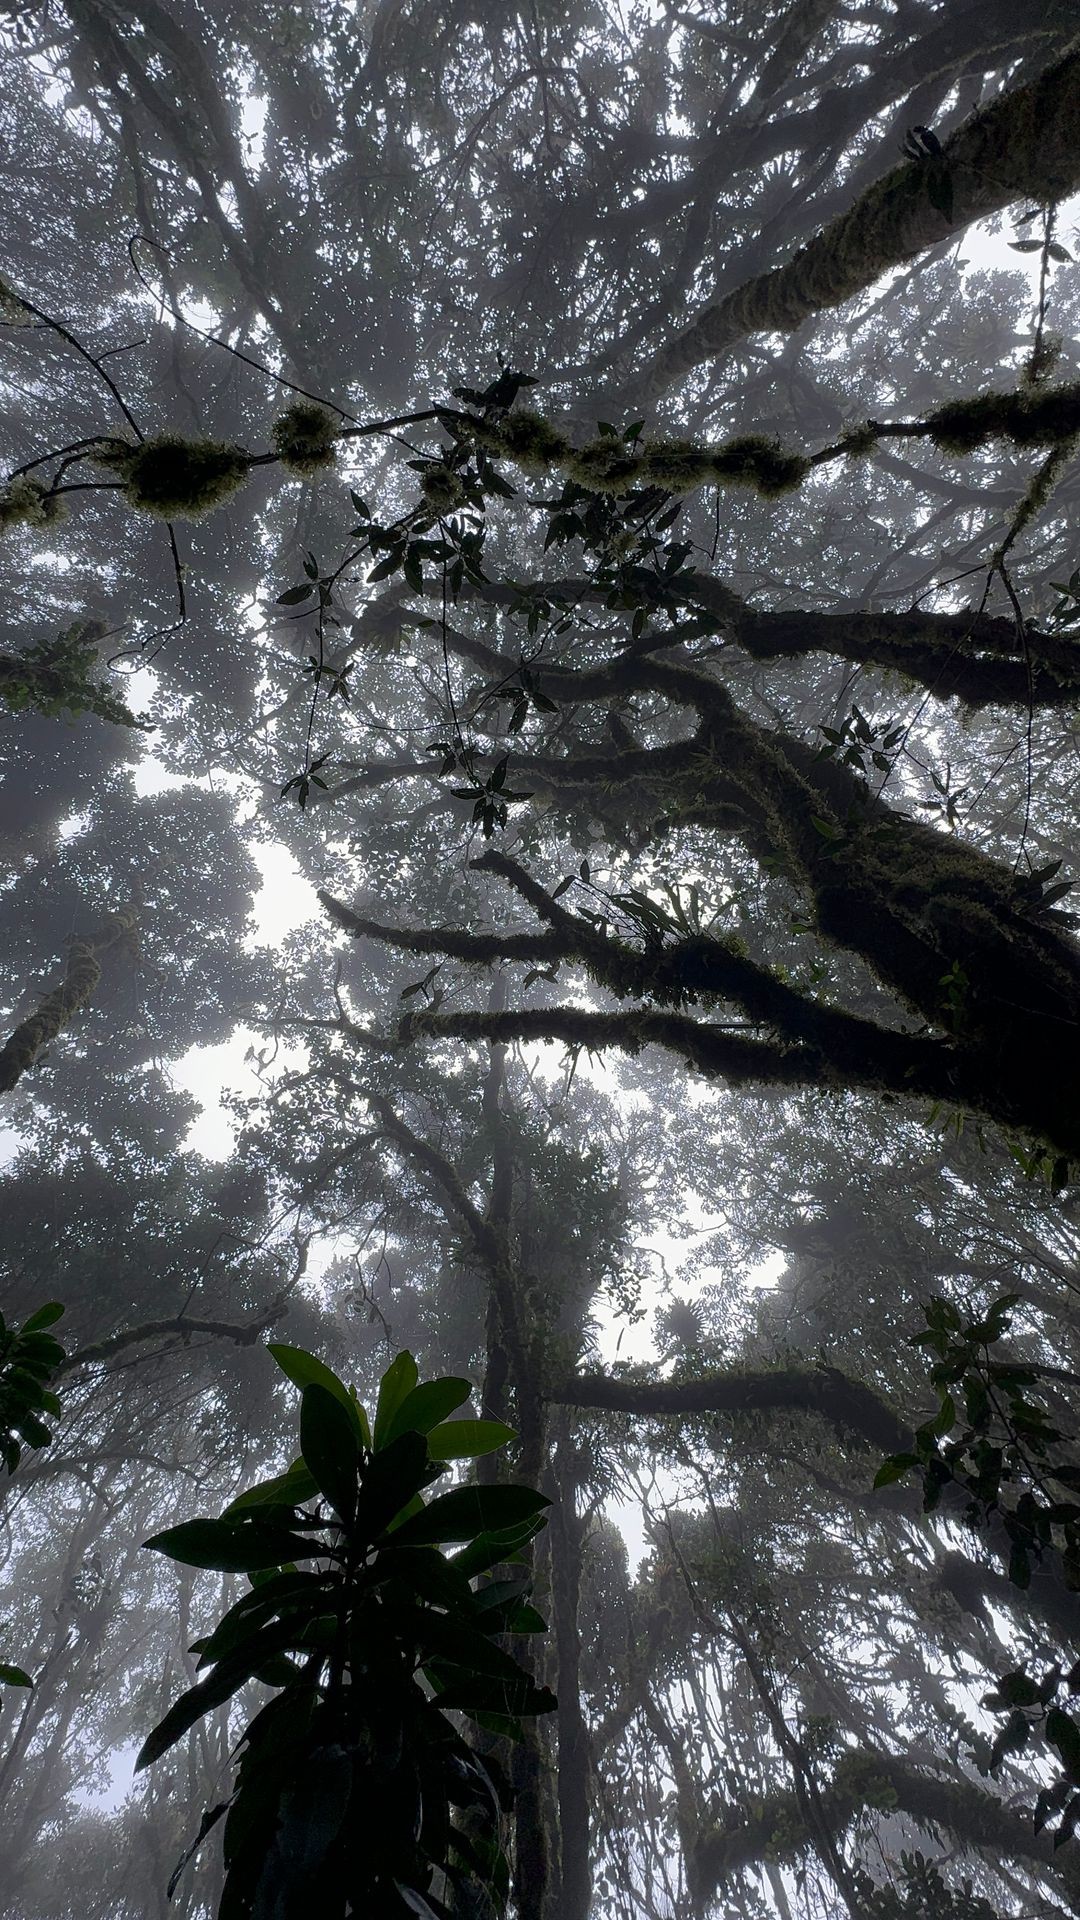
<point x="57" y="1009"/>
<point x="976" y="658"/>
<point x="1025" y="146"/>
<point x="848" y="1405"/>
<point x="567" y="1531"/>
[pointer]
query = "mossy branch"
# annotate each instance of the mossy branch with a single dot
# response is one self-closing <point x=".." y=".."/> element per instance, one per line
<point x="57" y="1009"/>
<point x="867" y="1778"/>
<point x="1024" y="146"/>
<point x="847" y="1404"/>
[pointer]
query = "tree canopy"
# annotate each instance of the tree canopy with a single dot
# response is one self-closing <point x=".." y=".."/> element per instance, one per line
<point x="539" y="703"/>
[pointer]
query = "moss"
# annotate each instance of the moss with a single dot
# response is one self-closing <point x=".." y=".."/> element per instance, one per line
<point x="753" y="460"/>
<point x="26" y="503"/>
<point x="859" y="440"/>
<point x="305" y="438"/>
<point x="605" y="465"/>
<point x="677" y="466"/>
<point x="177" y="478"/>
<point x="12" y="311"/>
<point x="532" y="441"/>
<point x="441" y="487"/>
<point x="1032" y="417"/>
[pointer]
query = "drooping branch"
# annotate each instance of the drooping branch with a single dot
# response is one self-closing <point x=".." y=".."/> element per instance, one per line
<point x="57" y="1009"/>
<point x="869" y="1778"/>
<point x="921" y="1068"/>
<point x="181" y="1327"/>
<point x="976" y="658"/>
<point x="1023" y="146"/>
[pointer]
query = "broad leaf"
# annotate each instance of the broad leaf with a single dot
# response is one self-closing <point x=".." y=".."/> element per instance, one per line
<point x="304" y="1370"/>
<point x="426" y="1405"/>
<point x="397" y="1382"/>
<point x="230" y="1546"/>
<point x="330" y="1447"/>
<point x="467" y="1439"/>
<point x="468" y="1511"/>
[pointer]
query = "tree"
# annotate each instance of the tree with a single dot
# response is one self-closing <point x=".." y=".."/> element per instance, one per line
<point x="699" y="697"/>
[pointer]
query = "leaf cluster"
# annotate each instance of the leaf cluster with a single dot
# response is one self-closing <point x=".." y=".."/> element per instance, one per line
<point x="355" y="1791"/>
<point x="29" y="1357"/>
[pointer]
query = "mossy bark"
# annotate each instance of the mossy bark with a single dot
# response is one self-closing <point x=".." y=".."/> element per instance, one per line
<point x="1025" y="146"/>
<point x="867" y="1779"/>
<point x="57" y="1009"/>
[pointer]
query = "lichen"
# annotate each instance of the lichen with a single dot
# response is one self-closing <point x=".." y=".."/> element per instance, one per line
<point x="677" y="466"/>
<point x="1030" y="417"/>
<point x="26" y="503"/>
<point x="441" y="487"/>
<point x="176" y="478"/>
<point x="532" y="441"/>
<point x="605" y="465"/>
<point x="753" y="460"/>
<point x="305" y="438"/>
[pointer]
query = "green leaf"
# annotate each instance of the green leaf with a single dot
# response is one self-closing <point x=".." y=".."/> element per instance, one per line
<point x="430" y="1575"/>
<point x="449" y="1642"/>
<point x="14" y="1676"/>
<point x="467" y="1439"/>
<point x="289" y="1489"/>
<point x="44" y="1317"/>
<point x="304" y="1370"/>
<point x="301" y="1597"/>
<point x="397" y="1382"/>
<point x="1064" y="1734"/>
<point x="230" y="1546"/>
<point x="489" y="1549"/>
<point x="426" y="1405"/>
<point x="293" y="595"/>
<point x="487" y="1693"/>
<point x="393" y="1475"/>
<point x="330" y="1447"/>
<point x="525" y="1619"/>
<point x="218" y="1687"/>
<point x="468" y="1511"/>
<point x="895" y="1469"/>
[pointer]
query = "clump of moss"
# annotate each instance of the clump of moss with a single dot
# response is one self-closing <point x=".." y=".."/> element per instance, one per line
<point x="605" y="465"/>
<point x="755" y="461"/>
<point x="859" y="440"/>
<point x="12" y="311"/>
<point x="677" y="466"/>
<point x="532" y="441"/>
<point x="1032" y="417"/>
<point x="441" y="487"/>
<point x="177" y="478"/>
<point x="305" y="438"/>
<point x="26" y="503"/>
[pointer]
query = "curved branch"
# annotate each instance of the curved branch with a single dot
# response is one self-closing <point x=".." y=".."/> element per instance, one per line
<point x="182" y="1327"/>
<point x="848" y="1405"/>
<point x="975" y="1816"/>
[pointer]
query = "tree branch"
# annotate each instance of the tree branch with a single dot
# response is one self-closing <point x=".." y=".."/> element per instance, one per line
<point x="1023" y="146"/>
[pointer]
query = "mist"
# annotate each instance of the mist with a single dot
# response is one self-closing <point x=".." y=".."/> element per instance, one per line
<point x="539" y="983"/>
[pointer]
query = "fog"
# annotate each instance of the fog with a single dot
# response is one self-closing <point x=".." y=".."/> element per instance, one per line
<point x="539" y="989"/>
